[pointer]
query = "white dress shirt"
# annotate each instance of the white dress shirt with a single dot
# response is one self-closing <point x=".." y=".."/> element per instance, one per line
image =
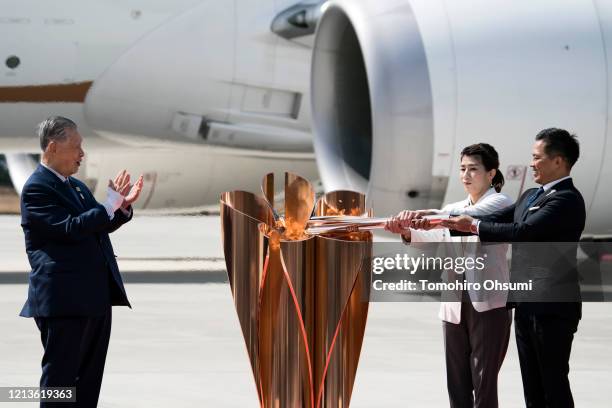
<point x="113" y="199"/>
<point x="496" y="261"/>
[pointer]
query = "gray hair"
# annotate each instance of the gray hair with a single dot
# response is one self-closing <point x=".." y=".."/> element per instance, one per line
<point x="53" y="128"/>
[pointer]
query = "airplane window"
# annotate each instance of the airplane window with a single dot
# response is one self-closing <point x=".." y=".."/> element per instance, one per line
<point x="12" y="62"/>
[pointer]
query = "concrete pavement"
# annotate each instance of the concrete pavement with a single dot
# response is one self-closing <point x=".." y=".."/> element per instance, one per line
<point x="181" y="345"/>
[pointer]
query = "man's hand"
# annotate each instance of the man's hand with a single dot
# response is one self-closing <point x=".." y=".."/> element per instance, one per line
<point x="462" y="223"/>
<point x="132" y="192"/>
<point x="120" y="183"/>
<point x="422" y="223"/>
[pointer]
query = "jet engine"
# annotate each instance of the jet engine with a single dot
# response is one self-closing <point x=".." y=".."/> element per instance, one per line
<point x="399" y="87"/>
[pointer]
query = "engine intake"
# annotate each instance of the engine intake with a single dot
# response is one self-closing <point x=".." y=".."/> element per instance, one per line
<point x="372" y="104"/>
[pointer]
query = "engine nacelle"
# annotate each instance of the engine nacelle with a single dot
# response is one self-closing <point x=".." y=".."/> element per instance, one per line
<point x="372" y="104"/>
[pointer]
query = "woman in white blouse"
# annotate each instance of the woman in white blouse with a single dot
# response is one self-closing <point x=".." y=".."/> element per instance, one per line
<point x="477" y="330"/>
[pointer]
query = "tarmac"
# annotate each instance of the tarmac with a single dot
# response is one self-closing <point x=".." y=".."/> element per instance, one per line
<point x="181" y="345"/>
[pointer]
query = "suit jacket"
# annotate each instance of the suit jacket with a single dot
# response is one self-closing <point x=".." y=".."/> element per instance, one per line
<point x="557" y="217"/>
<point x="74" y="270"/>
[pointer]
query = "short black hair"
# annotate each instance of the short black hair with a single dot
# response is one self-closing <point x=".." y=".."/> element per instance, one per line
<point x="559" y="142"/>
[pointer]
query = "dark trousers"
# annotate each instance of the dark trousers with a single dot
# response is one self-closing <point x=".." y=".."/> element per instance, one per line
<point x="544" y="345"/>
<point x="475" y="350"/>
<point x="75" y="352"/>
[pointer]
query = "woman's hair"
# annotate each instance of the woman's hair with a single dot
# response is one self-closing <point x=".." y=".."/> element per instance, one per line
<point x="489" y="159"/>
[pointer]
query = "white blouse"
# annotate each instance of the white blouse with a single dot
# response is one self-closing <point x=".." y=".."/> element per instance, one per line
<point x="496" y="264"/>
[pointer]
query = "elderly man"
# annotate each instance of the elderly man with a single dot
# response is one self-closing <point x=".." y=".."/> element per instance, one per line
<point x="74" y="279"/>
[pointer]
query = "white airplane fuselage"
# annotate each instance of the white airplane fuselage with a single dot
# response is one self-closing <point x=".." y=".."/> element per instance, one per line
<point x="54" y="53"/>
<point x="391" y="90"/>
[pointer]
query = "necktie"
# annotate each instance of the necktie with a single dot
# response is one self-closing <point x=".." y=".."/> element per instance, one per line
<point x="534" y="196"/>
<point x="74" y="193"/>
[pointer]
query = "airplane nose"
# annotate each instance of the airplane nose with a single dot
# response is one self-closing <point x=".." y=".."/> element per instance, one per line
<point x="184" y="66"/>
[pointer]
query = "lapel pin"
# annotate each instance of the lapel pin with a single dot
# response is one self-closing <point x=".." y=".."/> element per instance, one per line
<point x="77" y="188"/>
<point x="81" y="194"/>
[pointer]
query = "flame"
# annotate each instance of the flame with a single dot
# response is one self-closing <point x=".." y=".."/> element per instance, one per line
<point x="293" y="230"/>
<point x="335" y="212"/>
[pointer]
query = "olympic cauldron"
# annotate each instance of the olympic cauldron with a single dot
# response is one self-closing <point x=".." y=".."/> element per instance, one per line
<point x="300" y="282"/>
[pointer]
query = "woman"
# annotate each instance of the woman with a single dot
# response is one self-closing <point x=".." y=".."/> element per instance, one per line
<point x="476" y="330"/>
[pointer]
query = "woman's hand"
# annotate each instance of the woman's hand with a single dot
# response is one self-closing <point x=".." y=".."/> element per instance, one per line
<point x="402" y="221"/>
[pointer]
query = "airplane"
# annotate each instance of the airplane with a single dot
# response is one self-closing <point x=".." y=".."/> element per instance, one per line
<point x="387" y="91"/>
<point x="54" y="54"/>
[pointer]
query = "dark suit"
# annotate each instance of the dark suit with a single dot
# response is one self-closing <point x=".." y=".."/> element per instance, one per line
<point x="73" y="282"/>
<point x="544" y="330"/>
